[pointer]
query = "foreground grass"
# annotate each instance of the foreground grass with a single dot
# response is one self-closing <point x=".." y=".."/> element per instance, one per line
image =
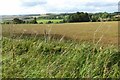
<point x="36" y="58"/>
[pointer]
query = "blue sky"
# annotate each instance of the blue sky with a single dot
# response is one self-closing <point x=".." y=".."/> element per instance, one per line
<point x="12" y="7"/>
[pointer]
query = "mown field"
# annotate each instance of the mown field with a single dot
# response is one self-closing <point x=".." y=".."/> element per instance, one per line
<point x="72" y="50"/>
<point x="46" y="20"/>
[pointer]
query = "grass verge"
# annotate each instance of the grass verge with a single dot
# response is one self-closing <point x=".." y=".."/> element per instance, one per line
<point x="35" y="58"/>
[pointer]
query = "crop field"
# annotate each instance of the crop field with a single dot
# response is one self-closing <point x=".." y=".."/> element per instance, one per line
<point x="104" y="32"/>
<point x="46" y="20"/>
<point x="71" y="50"/>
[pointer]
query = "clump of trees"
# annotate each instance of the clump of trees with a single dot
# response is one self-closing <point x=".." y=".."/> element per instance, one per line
<point x="34" y="21"/>
<point x="97" y="17"/>
<point x="78" y="17"/>
<point x="18" y="21"/>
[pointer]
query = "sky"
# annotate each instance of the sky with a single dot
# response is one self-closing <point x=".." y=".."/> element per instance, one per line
<point x="17" y="7"/>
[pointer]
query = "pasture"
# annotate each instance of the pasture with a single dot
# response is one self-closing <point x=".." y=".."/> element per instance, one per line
<point x="52" y="20"/>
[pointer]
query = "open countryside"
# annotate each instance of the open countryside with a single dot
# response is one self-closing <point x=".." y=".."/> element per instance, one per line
<point x="85" y="31"/>
<point x="61" y="50"/>
<point x="66" y="44"/>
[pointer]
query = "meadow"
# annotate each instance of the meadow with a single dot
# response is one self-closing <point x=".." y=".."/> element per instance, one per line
<point x="44" y="21"/>
<point x="71" y="50"/>
<point x="76" y="31"/>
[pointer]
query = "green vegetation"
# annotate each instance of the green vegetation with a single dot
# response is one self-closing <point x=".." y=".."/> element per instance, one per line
<point x="44" y="21"/>
<point x="71" y="50"/>
<point x="65" y="18"/>
<point x="78" y="17"/>
<point x="18" y="21"/>
<point x="32" y="57"/>
<point x="34" y="21"/>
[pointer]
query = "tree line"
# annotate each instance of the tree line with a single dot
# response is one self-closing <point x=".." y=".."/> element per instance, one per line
<point x="18" y="21"/>
<point x="73" y="17"/>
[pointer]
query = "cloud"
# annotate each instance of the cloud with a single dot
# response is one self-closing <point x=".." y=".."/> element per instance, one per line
<point x="81" y="5"/>
<point x="32" y="3"/>
<point x="101" y="4"/>
<point x="56" y="6"/>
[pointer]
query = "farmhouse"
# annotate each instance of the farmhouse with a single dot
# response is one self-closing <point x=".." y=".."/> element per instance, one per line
<point x="117" y="16"/>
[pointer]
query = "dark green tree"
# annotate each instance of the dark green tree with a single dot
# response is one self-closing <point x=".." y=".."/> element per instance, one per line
<point x="18" y="21"/>
<point x="34" y="21"/>
<point x="79" y="17"/>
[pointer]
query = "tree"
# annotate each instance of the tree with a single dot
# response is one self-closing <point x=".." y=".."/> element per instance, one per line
<point x="18" y="21"/>
<point x="34" y="21"/>
<point x="86" y="17"/>
<point x="105" y="15"/>
<point x="49" y="22"/>
<point x="79" y="17"/>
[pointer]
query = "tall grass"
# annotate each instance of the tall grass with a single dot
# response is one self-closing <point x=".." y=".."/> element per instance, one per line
<point x="31" y="57"/>
<point x="50" y="57"/>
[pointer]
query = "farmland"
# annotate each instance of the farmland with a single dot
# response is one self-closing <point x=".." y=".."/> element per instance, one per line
<point x="46" y="20"/>
<point x="70" y="50"/>
<point x="76" y="31"/>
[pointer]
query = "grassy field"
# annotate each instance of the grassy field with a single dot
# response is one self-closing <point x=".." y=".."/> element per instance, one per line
<point x="46" y="20"/>
<point x="60" y="51"/>
<point x="106" y="32"/>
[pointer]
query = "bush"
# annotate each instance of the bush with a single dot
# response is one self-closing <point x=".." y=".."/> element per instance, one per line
<point x="49" y="22"/>
<point x="41" y="23"/>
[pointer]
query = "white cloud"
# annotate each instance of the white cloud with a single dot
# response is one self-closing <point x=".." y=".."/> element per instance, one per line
<point x="10" y="7"/>
<point x="45" y="6"/>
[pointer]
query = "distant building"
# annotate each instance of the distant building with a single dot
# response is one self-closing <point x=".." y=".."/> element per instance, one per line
<point x="117" y="16"/>
<point x="104" y="19"/>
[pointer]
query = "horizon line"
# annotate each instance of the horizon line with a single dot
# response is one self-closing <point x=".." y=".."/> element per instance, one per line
<point x="57" y="13"/>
